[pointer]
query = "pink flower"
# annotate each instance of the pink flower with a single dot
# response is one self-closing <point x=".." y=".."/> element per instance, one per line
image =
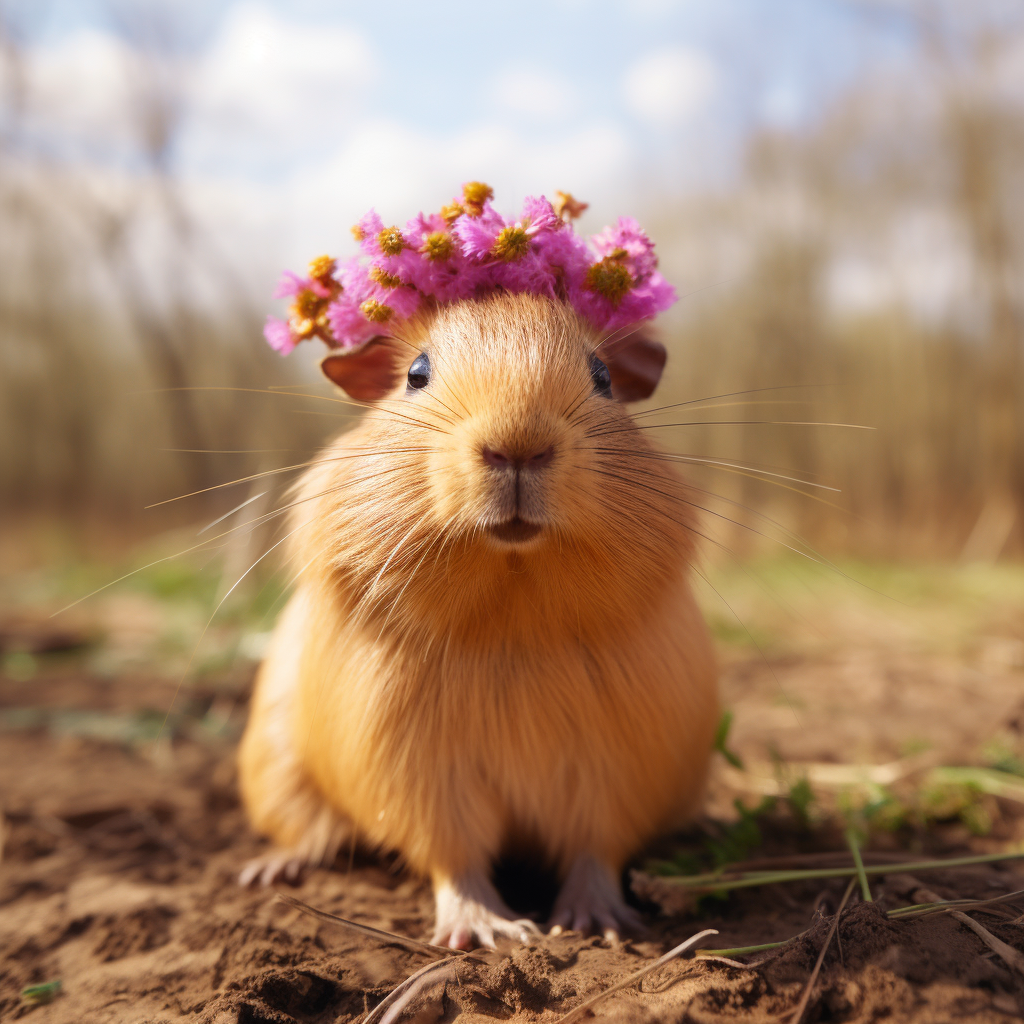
<point x="539" y="215"/>
<point x="478" y="234"/>
<point x="279" y="335"/>
<point x="629" y="239"/>
<point x="291" y="284"/>
<point x="366" y="230"/>
<point x="348" y="325"/>
<point x="464" y="252"/>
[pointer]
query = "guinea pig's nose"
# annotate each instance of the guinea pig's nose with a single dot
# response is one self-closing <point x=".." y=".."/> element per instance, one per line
<point x="531" y="460"/>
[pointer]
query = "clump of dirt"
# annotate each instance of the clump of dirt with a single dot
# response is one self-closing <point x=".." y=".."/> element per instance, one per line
<point x="118" y="878"/>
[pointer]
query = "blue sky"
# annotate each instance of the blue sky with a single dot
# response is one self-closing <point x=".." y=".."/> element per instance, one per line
<point x="299" y="115"/>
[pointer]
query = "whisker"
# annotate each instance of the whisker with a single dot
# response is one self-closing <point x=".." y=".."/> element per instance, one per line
<point x="577" y="402"/>
<point x="617" y="337"/>
<point x="796" y="538"/>
<point x="319" y="398"/>
<point x="375" y="474"/>
<point x="220" y="536"/>
<point x="231" y="451"/>
<point x="398" y="596"/>
<point x="260" y="391"/>
<point x="711" y="512"/>
<point x="726" y="423"/>
<point x="220" y="519"/>
<point x="719" y="463"/>
<point x="814" y="555"/>
<point x="316" y="460"/>
<point x="728" y="394"/>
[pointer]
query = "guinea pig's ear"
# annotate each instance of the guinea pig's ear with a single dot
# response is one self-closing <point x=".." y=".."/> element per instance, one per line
<point x="365" y="373"/>
<point x="635" y="364"/>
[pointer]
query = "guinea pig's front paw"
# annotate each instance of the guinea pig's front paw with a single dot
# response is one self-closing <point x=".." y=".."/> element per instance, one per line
<point x="591" y="899"/>
<point x="272" y="867"/>
<point x="470" y="913"/>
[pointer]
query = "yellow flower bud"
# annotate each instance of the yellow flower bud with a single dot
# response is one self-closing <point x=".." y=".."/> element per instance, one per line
<point x="307" y="305"/>
<point x="511" y="244"/>
<point x="610" y="279"/>
<point x="376" y="311"/>
<point x="383" y="278"/>
<point x="322" y="269"/>
<point x="437" y="245"/>
<point x="474" y="195"/>
<point x="391" y="241"/>
<point x="452" y="212"/>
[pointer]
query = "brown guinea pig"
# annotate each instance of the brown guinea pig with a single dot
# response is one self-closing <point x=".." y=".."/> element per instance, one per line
<point x="493" y="645"/>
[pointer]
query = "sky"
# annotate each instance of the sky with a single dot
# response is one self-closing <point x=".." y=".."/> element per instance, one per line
<point x="291" y="119"/>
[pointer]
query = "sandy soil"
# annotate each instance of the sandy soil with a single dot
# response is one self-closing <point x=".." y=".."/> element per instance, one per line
<point x="120" y="856"/>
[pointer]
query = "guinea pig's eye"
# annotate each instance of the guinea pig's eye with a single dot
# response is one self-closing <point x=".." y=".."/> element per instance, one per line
<point x="601" y="377"/>
<point x="419" y="372"/>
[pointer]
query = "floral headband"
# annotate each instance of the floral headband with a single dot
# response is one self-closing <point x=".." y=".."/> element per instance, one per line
<point x="465" y="251"/>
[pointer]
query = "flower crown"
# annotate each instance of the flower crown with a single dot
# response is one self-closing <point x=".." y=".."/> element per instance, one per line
<point x="468" y="250"/>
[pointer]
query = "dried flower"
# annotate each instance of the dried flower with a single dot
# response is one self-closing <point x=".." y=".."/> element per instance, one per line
<point x="567" y="207"/>
<point x="474" y="195"/>
<point x="610" y="279"/>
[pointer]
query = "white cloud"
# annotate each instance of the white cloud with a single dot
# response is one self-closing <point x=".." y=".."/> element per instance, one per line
<point x="782" y="105"/>
<point x="535" y="93"/>
<point x="269" y="87"/>
<point x="399" y="171"/>
<point x="667" y="87"/>
<point x="78" y="91"/>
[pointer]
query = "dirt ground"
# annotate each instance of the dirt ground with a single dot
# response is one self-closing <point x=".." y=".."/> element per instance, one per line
<point x="120" y="853"/>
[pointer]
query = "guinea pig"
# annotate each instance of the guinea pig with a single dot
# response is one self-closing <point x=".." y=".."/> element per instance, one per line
<point x="493" y="645"/>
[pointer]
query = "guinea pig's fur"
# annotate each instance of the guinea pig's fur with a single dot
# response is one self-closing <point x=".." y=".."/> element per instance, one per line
<point x="454" y="695"/>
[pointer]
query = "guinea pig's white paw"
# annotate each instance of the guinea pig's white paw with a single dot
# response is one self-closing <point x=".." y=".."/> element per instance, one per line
<point x="470" y="913"/>
<point x="591" y="899"/>
<point x="276" y="866"/>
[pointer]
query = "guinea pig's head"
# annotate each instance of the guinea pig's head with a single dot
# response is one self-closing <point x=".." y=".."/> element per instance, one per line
<point x="500" y="429"/>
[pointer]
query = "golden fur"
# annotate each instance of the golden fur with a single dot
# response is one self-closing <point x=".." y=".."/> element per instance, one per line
<point x="453" y="696"/>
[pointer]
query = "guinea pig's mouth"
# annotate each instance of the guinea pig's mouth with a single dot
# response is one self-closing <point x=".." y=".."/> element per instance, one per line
<point x="514" y="530"/>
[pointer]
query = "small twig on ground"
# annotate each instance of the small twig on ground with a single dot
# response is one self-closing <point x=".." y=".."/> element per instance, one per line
<point x="725" y="960"/>
<point x="391" y="1006"/>
<point x="1012" y="957"/>
<point x="865" y="889"/>
<point x="707" y="954"/>
<point x="724" y="881"/>
<point x="918" y="910"/>
<point x="801" y="1007"/>
<point x="390" y="938"/>
<point x="578" y="1011"/>
<point x="946" y="906"/>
